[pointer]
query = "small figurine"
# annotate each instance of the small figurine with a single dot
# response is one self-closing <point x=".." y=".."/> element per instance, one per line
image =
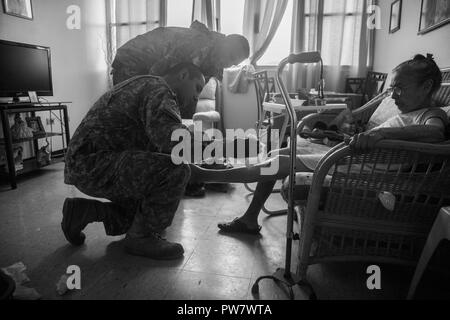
<point x="20" y="130"/>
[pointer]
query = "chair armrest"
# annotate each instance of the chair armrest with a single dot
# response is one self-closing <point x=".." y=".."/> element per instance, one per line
<point x="208" y="116"/>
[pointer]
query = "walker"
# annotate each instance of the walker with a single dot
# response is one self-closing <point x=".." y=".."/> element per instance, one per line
<point x="284" y="275"/>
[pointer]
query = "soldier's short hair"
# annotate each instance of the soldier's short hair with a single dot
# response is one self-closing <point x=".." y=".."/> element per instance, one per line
<point x="194" y="71"/>
<point x="236" y="40"/>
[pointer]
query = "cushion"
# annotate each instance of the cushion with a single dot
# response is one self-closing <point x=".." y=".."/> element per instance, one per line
<point x="209" y="116"/>
<point x="206" y="105"/>
<point x="447" y="110"/>
<point x="385" y="111"/>
<point x="209" y="90"/>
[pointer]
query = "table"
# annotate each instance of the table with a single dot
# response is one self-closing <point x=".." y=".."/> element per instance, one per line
<point x="354" y="99"/>
<point x="31" y="108"/>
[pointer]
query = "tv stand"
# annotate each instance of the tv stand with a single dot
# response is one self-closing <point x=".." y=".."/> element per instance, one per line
<point x="8" y="142"/>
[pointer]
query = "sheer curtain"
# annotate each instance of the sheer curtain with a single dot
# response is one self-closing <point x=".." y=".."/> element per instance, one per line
<point x="127" y="19"/>
<point x="130" y="18"/>
<point x="338" y="29"/>
<point x="207" y="12"/>
<point x="261" y="21"/>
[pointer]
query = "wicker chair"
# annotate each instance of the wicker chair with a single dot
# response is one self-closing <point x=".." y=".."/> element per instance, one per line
<point x="344" y="219"/>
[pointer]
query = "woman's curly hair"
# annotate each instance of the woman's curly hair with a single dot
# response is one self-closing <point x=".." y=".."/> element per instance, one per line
<point x="422" y="69"/>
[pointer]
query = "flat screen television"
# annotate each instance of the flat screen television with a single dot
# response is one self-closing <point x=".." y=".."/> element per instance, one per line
<point x="24" y="67"/>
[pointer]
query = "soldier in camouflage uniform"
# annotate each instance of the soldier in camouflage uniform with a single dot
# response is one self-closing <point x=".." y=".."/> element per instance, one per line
<point x="160" y="49"/>
<point x="121" y="152"/>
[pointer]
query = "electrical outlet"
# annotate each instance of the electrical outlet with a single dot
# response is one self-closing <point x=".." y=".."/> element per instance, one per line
<point x="50" y="121"/>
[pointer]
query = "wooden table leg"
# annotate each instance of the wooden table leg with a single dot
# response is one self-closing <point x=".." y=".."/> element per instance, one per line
<point x="9" y="149"/>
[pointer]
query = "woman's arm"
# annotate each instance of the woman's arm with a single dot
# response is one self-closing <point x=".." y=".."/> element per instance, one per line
<point x="432" y="132"/>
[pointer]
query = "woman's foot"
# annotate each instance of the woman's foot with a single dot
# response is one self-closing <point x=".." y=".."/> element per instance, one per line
<point x="238" y="225"/>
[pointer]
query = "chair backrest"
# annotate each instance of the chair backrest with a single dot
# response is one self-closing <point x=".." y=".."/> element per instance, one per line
<point x="374" y="84"/>
<point x="355" y="85"/>
<point x="263" y="89"/>
<point x="442" y="96"/>
<point x="272" y="85"/>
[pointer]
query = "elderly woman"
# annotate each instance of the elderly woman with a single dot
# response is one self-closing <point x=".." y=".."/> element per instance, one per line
<point x="416" y="119"/>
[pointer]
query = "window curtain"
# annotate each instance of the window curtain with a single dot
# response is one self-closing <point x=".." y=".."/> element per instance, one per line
<point x="207" y="12"/>
<point x="132" y="14"/>
<point x="127" y="19"/>
<point x="338" y="29"/>
<point x="261" y="21"/>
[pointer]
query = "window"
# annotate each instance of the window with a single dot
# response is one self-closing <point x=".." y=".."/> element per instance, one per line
<point x="341" y="29"/>
<point x="127" y="19"/>
<point x="280" y="46"/>
<point x="231" y="16"/>
<point x="340" y="24"/>
<point x="179" y="13"/>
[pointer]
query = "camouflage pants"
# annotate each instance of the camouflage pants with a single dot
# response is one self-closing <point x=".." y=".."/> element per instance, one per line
<point x="142" y="184"/>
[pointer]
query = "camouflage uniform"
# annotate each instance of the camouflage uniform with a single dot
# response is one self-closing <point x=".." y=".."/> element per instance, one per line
<point x="160" y="49"/>
<point x="121" y="152"/>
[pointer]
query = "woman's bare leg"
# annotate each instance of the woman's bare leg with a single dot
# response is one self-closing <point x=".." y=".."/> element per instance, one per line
<point x="277" y="167"/>
<point x="263" y="192"/>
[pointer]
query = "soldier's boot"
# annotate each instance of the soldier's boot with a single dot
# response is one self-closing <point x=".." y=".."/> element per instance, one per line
<point x="154" y="247"/>
<point x="77" y="214"/>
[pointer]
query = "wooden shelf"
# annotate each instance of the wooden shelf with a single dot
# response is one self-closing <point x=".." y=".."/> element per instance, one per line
<point x="47" y="135"/>
<point x="7" y="109"/>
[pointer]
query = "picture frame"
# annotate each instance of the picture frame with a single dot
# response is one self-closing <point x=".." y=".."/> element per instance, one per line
<point x="35" y="123"/>
<point x="433" y="14"/>
<point x="396" y="16"/>
<point x="33" y="97"/>
<point x="18" y="8"/>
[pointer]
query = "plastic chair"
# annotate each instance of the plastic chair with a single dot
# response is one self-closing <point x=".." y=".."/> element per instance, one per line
<point x="439" y="232"/>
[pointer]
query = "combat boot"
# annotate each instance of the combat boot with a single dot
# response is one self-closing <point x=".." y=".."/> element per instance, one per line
<point x="77" y="214"/>
<point x="154" y="247"/>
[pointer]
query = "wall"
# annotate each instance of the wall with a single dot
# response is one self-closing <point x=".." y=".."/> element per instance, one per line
<point x="392" y="49"/>
<point x="78" y="56"/>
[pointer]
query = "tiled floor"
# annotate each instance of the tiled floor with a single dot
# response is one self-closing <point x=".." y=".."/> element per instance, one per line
<point x="215" y="266"/>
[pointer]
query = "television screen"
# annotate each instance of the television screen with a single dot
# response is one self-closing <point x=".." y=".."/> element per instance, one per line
<point x="23" y="68"/>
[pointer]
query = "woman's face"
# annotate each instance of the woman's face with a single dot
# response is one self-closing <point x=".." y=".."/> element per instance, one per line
<point x="408" y="94"/>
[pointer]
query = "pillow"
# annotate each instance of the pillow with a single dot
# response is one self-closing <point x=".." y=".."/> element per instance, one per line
<point x="209" y="91"/>
<point x="447" y="111"/>
<point x="205" y="105"/>
<point x="385" y="111"/>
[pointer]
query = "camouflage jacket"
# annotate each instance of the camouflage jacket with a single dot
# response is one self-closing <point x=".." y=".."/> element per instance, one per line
<point x="162" y="48"/>
<point x="138" y="114"/>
